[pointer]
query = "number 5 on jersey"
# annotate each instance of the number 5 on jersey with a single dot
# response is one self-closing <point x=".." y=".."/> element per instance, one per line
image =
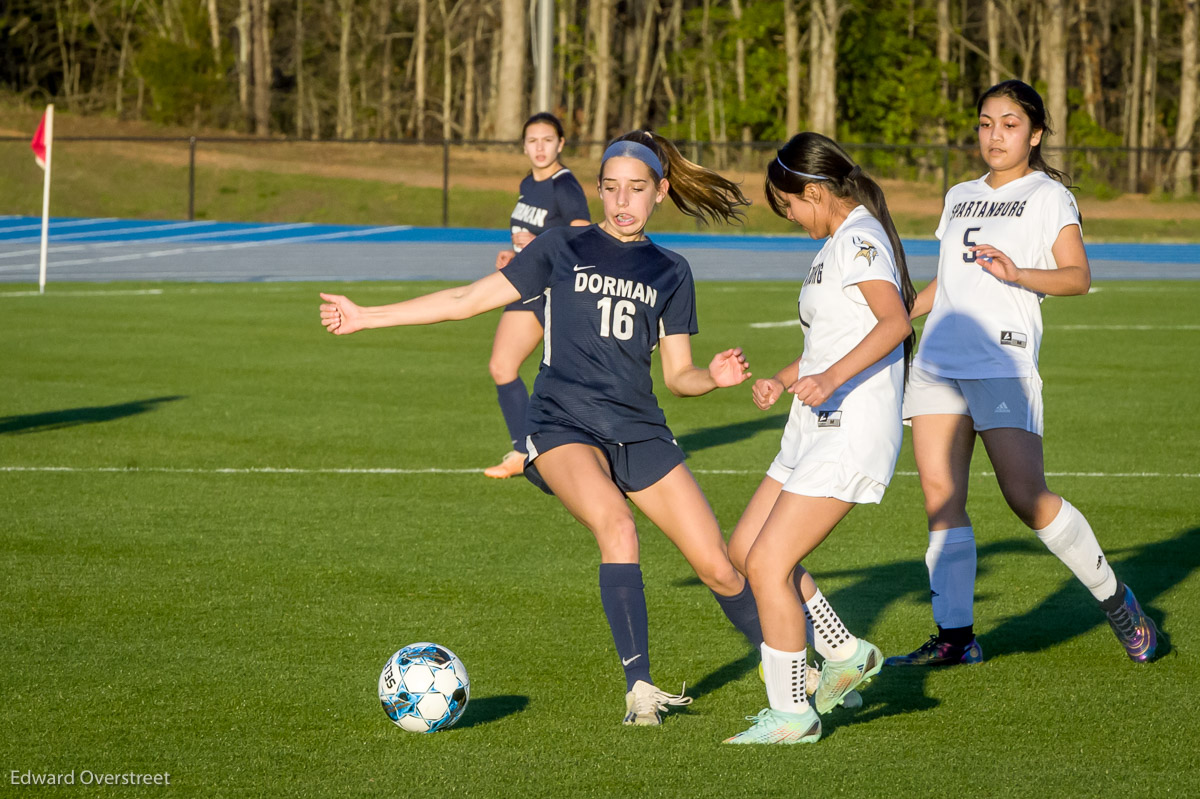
<point x="616" y="321"/>
<point x="969" y="255"/>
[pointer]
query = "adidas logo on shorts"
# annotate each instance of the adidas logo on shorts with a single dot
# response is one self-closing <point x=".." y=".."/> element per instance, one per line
<point x="1002" y="408"/>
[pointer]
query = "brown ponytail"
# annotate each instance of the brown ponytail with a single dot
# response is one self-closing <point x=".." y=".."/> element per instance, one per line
<point x="695" y="190"/>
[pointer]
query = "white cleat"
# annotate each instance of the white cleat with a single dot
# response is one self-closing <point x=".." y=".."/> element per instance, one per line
<point x="644" y="704"/>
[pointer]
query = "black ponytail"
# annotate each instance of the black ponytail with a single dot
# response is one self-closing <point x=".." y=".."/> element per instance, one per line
<point x="812" y="158"/>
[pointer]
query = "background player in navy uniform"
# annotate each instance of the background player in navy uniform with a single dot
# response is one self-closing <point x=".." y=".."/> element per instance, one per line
<point x="843" y="432"/>
<point x="1007" y="240"/>
<point x="550" y="196"/>
<point x="597" y="435"/>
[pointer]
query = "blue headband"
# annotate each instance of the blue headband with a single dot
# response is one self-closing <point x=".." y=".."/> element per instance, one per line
<point x="632" y="149"/>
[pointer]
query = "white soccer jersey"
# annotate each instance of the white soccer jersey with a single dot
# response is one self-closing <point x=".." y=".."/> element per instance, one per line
<point x="862" y="418"/>
<point x="981" y="326"/>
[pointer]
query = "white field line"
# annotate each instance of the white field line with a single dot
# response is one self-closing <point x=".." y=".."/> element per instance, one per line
<point x="76" y="223"/>
<point x="119" y="231"/>
<point x="219" y="247"/>
<point x="196" y="236"/>
<point x="796" y="323"/>
<point x="434" y="470"/>
<point x="100" y="245"/>
<point x="1124" y="327"/>
<point x="52" y="293"/>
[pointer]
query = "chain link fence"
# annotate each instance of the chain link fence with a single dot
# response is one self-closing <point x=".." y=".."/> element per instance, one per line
<point x="450" y="183"/>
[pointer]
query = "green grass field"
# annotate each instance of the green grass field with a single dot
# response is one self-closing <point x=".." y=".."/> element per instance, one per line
<point x="172" y="603"/>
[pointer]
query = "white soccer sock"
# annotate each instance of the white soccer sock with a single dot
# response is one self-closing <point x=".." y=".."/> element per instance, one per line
<point x="951" y="561"/>
<point x="825" y="630"/>
<point x="783" y="672"/>
<point x="1071" y="539"/>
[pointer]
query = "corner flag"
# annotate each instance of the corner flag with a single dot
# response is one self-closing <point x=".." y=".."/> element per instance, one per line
<point x="39" y="145"/>
<point x="43" y="150"/>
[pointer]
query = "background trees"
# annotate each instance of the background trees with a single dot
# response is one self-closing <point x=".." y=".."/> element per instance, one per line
<point x="1114" y="72"/>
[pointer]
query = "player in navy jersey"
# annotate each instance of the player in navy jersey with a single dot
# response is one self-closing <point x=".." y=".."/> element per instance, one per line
<point x="1008" y="239"/>
<point x="596" y="433"/>
<point x="843" y="432"/>
<point x="549" y="197"/>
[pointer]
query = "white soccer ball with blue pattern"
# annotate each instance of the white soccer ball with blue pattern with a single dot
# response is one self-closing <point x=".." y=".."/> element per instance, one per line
<point x="424" y="688"/>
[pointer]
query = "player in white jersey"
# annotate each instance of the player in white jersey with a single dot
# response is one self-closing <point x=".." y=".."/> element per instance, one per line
<point x="1008" y="239"/>
<point x="843" y="431"/>
<point x="597" y="435"/>
<point x="550" y="197"/>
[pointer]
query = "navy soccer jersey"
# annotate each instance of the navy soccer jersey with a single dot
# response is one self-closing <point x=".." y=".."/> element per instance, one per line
<point x="543" y="204"/>
<point x="607" y="304"/>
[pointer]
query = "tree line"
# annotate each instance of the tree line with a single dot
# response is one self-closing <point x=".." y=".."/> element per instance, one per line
<point x="1115" y="73"/>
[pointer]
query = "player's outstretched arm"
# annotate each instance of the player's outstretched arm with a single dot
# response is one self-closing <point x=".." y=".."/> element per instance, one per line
<point x="341" y="316"/>
<point x="685" y="379"/>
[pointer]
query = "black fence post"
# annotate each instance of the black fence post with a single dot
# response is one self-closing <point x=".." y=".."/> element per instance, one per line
<point x="192" y="179"/>
<point x="445" y="183"/>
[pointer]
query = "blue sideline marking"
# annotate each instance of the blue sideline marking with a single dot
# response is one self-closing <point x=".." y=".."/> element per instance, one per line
<point x="26" y="229"/>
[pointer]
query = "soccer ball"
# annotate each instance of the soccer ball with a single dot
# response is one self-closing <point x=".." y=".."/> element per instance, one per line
<point x="424" y="688"/>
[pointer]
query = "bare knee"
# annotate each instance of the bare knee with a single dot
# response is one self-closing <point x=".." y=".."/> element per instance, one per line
<point x="502" y="368"/>
<point x="617" y="538"/>
<point x="765" y="572"/>
<point x="945" y="503"/>
<point x="719" y="574"/>
<point x="1035" y="506"/>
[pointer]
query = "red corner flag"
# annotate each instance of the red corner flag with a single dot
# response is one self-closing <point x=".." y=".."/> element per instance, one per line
<point x="39" y="143"/>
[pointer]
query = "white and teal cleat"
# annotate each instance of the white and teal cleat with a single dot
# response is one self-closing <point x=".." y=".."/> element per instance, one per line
<point x="840" y="677"/>
<point x="778" y="727"/>
<point x="852" y="699"/>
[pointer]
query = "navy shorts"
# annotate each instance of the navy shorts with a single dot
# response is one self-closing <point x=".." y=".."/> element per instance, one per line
<point x="536" y="305"/>
<point x="635" y="466"/>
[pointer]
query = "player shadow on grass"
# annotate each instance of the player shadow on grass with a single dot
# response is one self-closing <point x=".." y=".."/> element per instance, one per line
<point x="729" y="433"/>
<point x="1151" y="570"/>
<point x="72" y="417"/>
<point x="860" y="603"/>
<point x="487" y="709"/>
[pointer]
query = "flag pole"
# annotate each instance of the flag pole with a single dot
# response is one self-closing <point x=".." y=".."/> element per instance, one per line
<point x="46" y="200"/>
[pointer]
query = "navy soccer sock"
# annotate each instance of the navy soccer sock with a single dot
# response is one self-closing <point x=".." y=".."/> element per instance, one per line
<point x="742" y="610"/>
<point x="624" y="598"/>
<point x="514" y="399"/>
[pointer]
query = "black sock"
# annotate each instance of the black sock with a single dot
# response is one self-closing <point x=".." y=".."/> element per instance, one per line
<point x="514" y="399"/>
<point x="624" y="598"/>
<point x="957" y="636"/>
<point x="1116" y="600"/>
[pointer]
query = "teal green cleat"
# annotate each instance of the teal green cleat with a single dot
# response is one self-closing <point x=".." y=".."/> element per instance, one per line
<point x="777" y="727"/>
<point x="840" y="677"/>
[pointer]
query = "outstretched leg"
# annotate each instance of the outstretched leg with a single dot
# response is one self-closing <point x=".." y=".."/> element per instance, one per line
<point x="678" y="507"/>
<point x="1017" y="458"/>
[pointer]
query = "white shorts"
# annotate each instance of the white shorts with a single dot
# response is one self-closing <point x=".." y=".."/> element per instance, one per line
<point x="824" y="454"/>
<point x="991" y="403"/>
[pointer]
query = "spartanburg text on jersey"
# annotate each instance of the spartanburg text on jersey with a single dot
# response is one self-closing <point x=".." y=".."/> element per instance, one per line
<point x="607" y="304"/>
<point x="543" y="204"/>
<point x="981" y="326"/>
